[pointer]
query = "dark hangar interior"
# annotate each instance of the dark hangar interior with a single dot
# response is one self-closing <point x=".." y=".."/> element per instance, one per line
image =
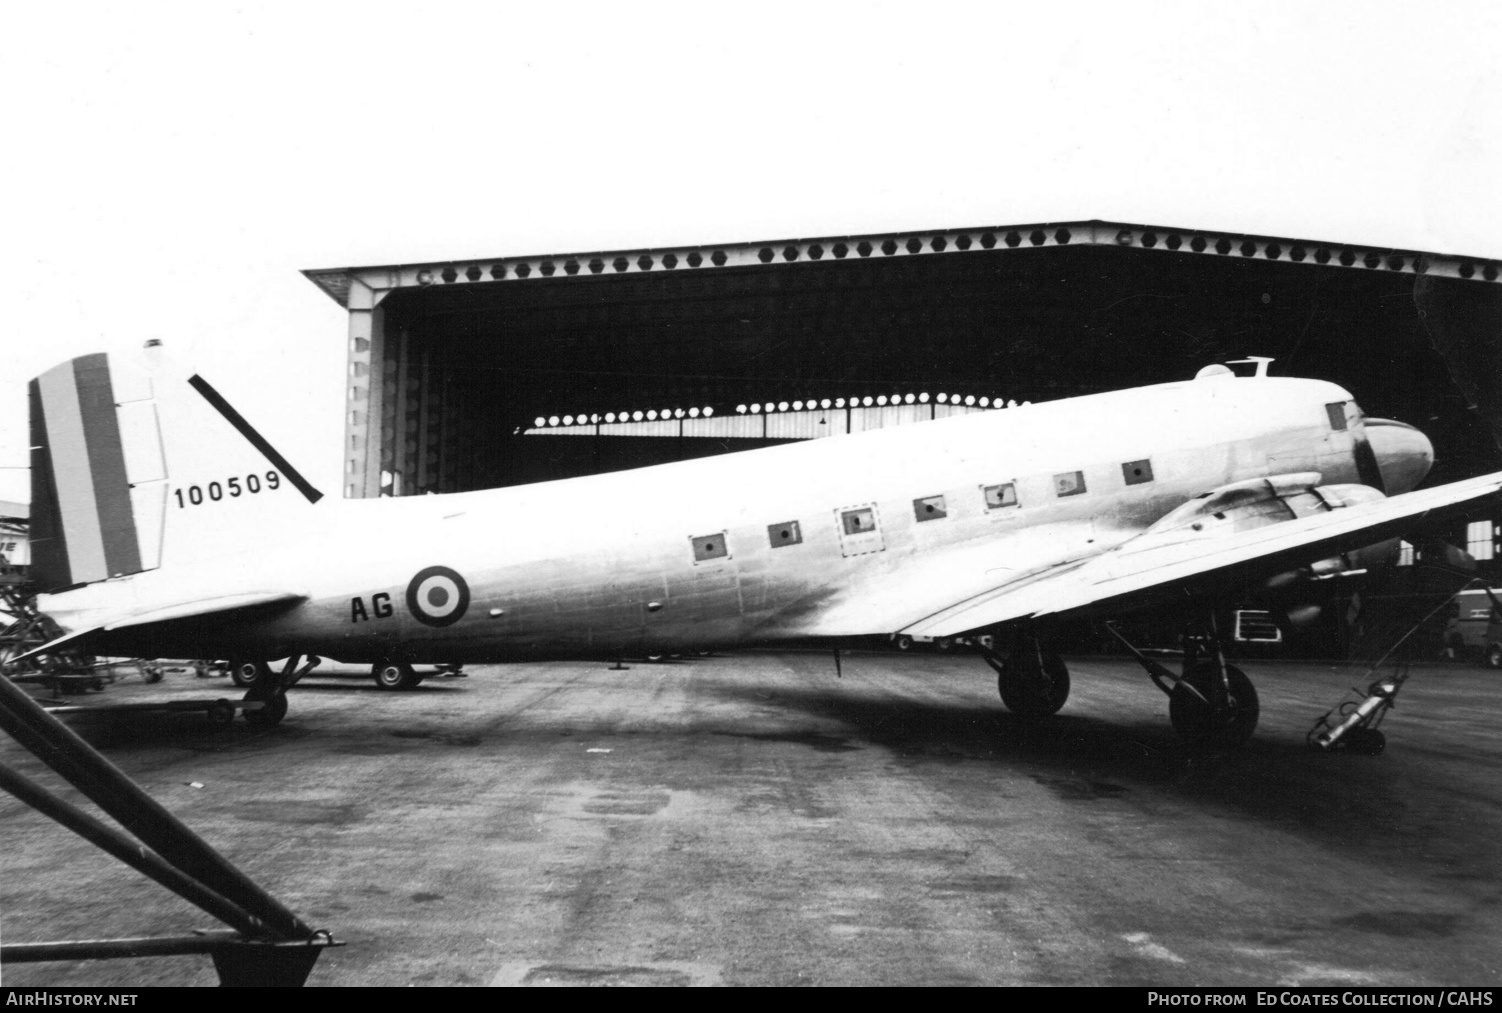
<point x="452" y="364"/>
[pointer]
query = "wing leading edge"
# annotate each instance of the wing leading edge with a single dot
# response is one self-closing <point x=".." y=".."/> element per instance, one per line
<point x="1153" y="565"/>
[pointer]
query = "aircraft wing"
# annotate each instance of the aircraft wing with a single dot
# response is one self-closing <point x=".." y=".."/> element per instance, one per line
<point x="180" y="610"/>
<point x="1180" y="564"/>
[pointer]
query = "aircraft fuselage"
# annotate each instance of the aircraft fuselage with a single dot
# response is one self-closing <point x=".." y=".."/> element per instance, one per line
<point x="804" y="540"/>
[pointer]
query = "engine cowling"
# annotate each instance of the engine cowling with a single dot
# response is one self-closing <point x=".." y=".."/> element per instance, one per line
<point x="1262" y="502"/>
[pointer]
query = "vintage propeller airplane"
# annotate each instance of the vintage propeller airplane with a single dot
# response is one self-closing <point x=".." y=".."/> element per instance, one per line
<point x="155" y="503"/>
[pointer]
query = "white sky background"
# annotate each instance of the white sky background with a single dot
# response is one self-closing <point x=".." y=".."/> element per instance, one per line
<point x="168" y="169"/>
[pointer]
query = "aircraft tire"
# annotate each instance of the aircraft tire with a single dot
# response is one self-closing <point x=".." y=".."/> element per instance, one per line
<point x="902" y="642"/>
<point x="1034" y="699"/>
<point x="1494" y="656"/>
<point x="248" y="672"/>
<point x="1190" y="714"/>
<point x="394" y="675"/>
<point x="271" y="715"/>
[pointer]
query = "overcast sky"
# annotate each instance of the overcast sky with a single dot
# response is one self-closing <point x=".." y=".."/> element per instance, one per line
<point x="170" y="168"/>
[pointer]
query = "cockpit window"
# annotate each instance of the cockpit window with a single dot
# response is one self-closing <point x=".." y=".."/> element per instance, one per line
<point x="1337" y="412"/>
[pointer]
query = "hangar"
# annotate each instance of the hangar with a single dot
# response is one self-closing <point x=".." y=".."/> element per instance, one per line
<point x="462" y="374"/>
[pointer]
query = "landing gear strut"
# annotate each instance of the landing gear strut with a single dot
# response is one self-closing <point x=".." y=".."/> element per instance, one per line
<point x="1212" y="705"/>
<point x="1032" y="682"/>
<point x="270" y="689"/>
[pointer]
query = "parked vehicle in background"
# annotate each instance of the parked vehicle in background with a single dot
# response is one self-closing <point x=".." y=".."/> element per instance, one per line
<point x="1475" y="630"/>
<point x="906" y="642"/>
<point x="1256" y="626"/>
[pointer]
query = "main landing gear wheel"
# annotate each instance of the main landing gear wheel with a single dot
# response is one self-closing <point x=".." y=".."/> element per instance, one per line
<point x="395" y="675"/>
<point x="270" y="715"/>
<point x="248" y="672"/>
<point x="1034" y="694"/>
<point x="1192" y="716"/>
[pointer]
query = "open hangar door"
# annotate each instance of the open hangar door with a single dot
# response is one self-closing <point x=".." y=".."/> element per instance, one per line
<point x="452" y="364"/>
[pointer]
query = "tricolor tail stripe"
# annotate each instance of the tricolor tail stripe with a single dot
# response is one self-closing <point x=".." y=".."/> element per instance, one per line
<point x="49" y="543"/>
<point x="83" y="526"/>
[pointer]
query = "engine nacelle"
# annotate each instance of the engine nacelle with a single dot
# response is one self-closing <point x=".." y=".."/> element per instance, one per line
<point x="1259" y="502"/>
<point x="1266" y="501"/>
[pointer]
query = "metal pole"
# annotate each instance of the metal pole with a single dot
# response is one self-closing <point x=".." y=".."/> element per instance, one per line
<point x="143" y="860"/>
<point x="85" y="768"/>
<point x="100" y="949"/>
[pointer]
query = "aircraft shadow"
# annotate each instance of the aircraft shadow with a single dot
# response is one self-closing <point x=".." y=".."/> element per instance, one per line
<point x="980" y="732"/>
<point x="1384" y="808"/>
<point x="363" y="684"/>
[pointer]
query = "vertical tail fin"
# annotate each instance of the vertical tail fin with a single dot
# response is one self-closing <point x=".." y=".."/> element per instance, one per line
<point x="133" y="468"/>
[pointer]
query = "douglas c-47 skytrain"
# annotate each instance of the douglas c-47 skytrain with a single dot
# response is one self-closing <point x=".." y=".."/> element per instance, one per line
<point x="165" y="526"/>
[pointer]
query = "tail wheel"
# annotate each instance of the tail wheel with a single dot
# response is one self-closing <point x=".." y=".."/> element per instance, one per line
<point x="1494" y="656"/>
<point x="1190" y="712"/>
<point x="248" y="672"/>
<point x="394" y="675"/>
<point x="1035" y="694"/>
<point x="269" y="715"/>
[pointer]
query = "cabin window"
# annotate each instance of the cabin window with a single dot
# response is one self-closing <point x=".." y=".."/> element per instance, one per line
<point x="858" y="522"/>
<point x="1337" y="413"/>
<point x="929" y="508"/>
<point x="710" y="547"/>
<point x="786" y="533"/>
<point x="1003" y="495"/>
<point x="1137" y="472"/>
<point x="860" y="530"/>
<point x="1069" y="483"/>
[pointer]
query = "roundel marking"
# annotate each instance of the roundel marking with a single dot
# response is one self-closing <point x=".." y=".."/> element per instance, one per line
<point x="437" y="596"/>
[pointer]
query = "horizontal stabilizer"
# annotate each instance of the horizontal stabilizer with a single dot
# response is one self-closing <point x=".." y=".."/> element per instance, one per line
<point x="53" y="646"/>
<point x="182" y="610"/>
<point x="208" y="606"/>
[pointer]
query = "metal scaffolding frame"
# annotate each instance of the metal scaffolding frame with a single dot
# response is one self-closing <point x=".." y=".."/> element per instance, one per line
<point x="266" y="944"/>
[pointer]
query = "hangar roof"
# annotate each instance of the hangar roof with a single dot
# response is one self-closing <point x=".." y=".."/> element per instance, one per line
<point x="337" y="282"/>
